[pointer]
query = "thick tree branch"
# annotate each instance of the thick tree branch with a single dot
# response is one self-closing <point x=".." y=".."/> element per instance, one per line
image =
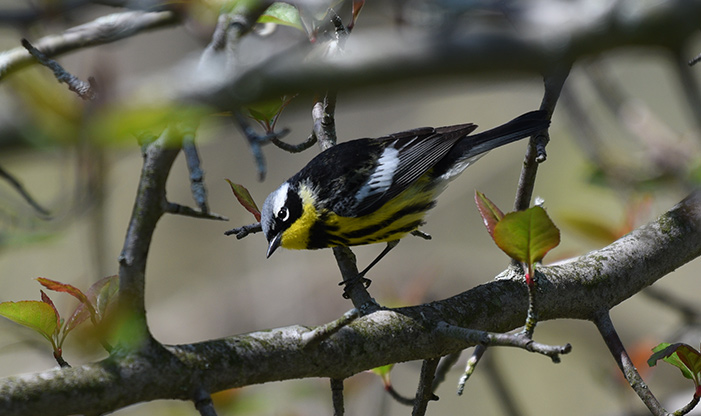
<point x="385" y="57"/>
<point x="579" y="289"/>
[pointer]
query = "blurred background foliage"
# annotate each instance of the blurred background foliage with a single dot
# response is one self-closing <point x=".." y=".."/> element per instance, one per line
<point x="624" y="149"/>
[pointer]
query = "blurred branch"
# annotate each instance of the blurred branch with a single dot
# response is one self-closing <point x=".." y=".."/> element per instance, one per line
<point x="85" y="90"/>
<point x="23" y="192"/>
<point x="384" y="57"/>
<point x="105" y="29"/>
<point x="579" y="289"/>
<point x="192" y="158"/>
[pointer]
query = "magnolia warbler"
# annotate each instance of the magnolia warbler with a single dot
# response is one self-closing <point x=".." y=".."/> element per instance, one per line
<point x="368" y="191"/>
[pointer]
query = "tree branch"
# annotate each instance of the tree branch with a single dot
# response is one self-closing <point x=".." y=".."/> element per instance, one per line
<point x="579" y="289"/>
<point x="105" y="29"/>
<point x="385" y="57"/>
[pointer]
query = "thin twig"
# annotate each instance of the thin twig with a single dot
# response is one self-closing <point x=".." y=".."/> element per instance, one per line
<point x="688" y="84"/>
<point x="613" y="342"/>
<point x="242" y="232"/>
<point x="192" y="158"/>
<point x="444" y="366"/>
<point x="323" y="332"/>
<point x="424" y="393"/>
<point x="393" y="393"/>
<point x="470" y="366"/>
<point x="105" y="29"/>
<point x="357" y="293"/>
<point x="535" y="152"/>
<point x="23" y="192"/>
<point x="294" y="148"/>
<point x="256" y="141"/>
<point x="203" y="403"/>
<point x="337" y="396"/>
<point x="173" y="208"/>
<point x="85" y="90"/>
<point x="503" y="340"/>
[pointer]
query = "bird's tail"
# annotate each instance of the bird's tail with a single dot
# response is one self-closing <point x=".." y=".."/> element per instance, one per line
<point x="471" y="148"/>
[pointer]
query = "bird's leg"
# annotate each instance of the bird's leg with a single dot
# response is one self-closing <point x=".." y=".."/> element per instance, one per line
<point x="360" y="277"/>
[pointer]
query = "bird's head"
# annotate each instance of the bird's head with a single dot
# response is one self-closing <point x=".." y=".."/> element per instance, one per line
<point x="280" y="210"/>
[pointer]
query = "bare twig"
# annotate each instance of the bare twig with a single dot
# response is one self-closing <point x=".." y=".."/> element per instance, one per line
<point x="173" y="208"/>
<point x="242" y="232"/>
<point x="337" y="396"/>
<point x="192" y="158"/>
<point x="255" y="141"/>
<point x="294" y="148"/>
<point x="613" y="342"/>
<point x="474" y="336"/>
<point x="322" y="332"/>
<point x="23" y="192"/>
<point x="470" y="366"/>
<point x="424" y="393"/>
<point x="357" y="293"/>
<point x="85" y="90"/>
<point x="203" y="403"/>
<point x="535" y="152"/>
<point x="105" y="29"/>
<point x="394" y="394"/>
<point x="444" y="366"/>
<point x="688" y="83"/>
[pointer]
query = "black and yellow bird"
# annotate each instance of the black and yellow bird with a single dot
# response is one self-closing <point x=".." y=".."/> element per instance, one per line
<point x="368" y="191"/>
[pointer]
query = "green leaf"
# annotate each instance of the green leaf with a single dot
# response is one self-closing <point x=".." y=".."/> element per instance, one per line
<point x="34" y="314"/>
<point x="245" y="199"/>
<point x="491" y="214"/>
<point x="384" y="373"/>
<point x="527" y="236"/>
<point x="267" y="112"/>
<point x="680" y="355"/>
<point x="282" y="14"/>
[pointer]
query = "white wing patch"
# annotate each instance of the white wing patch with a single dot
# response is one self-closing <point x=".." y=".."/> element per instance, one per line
<point x="381" y="178"/>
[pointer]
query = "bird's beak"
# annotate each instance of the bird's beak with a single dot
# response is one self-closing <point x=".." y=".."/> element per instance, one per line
<point x="274" y="244"/>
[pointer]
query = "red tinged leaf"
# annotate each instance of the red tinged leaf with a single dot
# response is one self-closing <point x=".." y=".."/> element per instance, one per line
<point x="491" y="214"/>
<point x="245" y="199"/>
<point x="100" y="295"/>
<point x="46" y="299"/>
<point x="357" y="7"/>
<point x="682" y="356"/>
<point x="63" y="287"/>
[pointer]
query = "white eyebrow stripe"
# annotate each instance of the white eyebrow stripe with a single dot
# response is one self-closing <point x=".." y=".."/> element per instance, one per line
<point x="280" y="197"/>
<point x="381" y="179"/>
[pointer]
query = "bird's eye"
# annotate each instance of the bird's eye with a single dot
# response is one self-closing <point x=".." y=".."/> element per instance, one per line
<point x="283" y="214"/>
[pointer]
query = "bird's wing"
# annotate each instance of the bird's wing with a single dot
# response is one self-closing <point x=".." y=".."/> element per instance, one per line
<point x="405" y="157"/>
